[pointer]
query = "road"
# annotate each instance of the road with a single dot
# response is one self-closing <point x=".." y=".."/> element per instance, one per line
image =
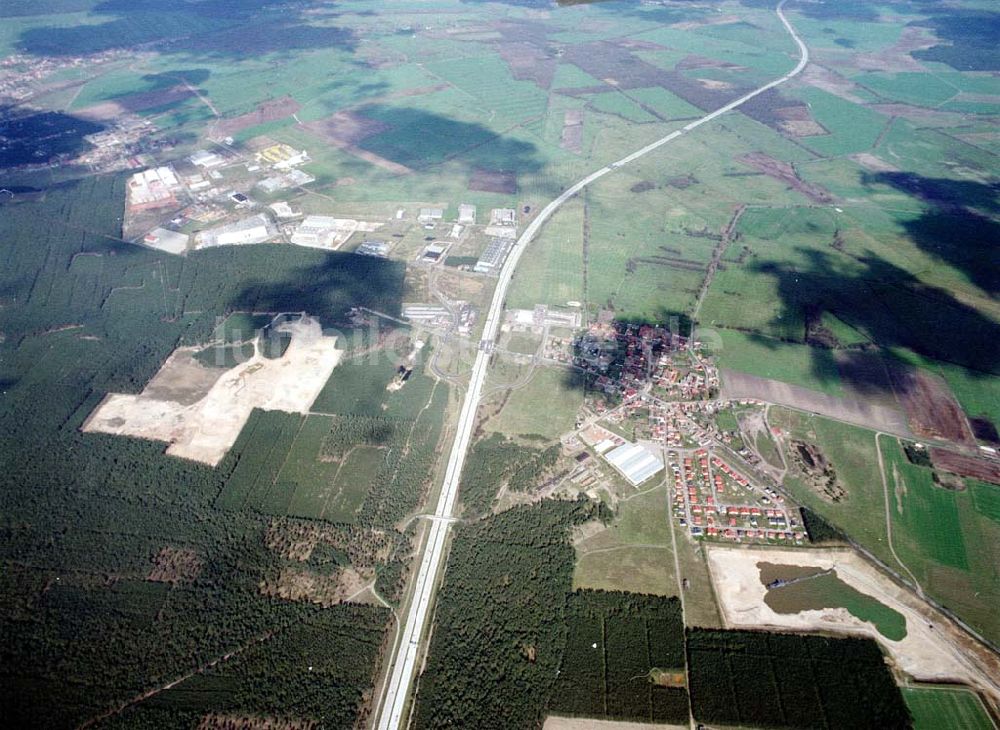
<point x="404" y="661"/>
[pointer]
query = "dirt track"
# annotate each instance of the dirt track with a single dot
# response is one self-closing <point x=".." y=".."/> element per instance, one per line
<point x="938" y="654"/>
<point x="204" y="428"/>
<point x="581" y="723"/>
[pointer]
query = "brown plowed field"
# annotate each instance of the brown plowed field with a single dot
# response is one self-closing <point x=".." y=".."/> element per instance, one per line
<point x="345" y="129"/>
<point x="931" y="409"/>
<point x="493" y="181"/>
<point x="966" y="466"/>
<point x="269" y="111"/>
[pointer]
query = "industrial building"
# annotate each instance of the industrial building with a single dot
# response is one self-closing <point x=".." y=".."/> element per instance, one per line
<point x="467" y="214"/>
<point x="152" y="188"/>
<point x="166" y="240"/>
<point x="284" y="210"/>
<point x="503" y="217"/>
<point x="255" y="229"/>
<point x="206" y="159"/>
<point x="373" y="248"/>
<point x="318" y="231"/>
<point x="542" y="315"/>
<point x="634" y="462"/>
<point x="282" y="156"/>
<point x="290" y="179"/>
<point x="426" y="313"/>
<point x="430" y="215"/>
<point x="493" y="257"/>
<point x="433" y="253"/>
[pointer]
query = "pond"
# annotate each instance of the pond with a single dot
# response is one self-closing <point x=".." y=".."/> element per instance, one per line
<point x="808" y="588"/>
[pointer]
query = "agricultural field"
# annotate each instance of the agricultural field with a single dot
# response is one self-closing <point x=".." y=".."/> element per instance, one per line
<point x="932" y="527"/>
<point x="945" y="709"/>
<point x="946" y="538"/>
<point x="634" y="553"/>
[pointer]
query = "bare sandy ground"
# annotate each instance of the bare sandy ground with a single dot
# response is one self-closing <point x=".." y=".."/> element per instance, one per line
<point x="581" y="723"/>
<point x="205" y="429"/>
<point x="942" y="653"/>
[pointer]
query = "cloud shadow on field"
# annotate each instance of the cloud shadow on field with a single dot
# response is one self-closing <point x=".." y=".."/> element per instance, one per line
<point x="209" y="28"/>
<point x="420" y="139"/>
<point x="959" y="226"/>
<point x="890" y="305"/>
<point x="323" y="285"/>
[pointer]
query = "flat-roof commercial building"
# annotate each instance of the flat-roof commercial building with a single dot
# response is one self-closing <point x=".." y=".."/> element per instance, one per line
<point x="466" y="214"/>
<point x="635" y="462"/>
<point x="429" y="215"/>
<point x="493" y="257"/>
<point x="166" y="240"/>
<point x="255" y="229"/>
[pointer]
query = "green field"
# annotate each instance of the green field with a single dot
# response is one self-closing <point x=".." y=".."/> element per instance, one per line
<point x="946" y="709"/>
<point x="932" y="528"/>
<point x="789" y="362"/>
<point x="553" y="273"/>
<point x="547" y="405"/>
<point x="634" y="553"/>
<point x="891" y="260"/>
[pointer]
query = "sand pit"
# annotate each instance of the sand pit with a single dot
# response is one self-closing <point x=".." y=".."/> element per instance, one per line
<point x="204" y="428"/>
<point x="940" y="654"/>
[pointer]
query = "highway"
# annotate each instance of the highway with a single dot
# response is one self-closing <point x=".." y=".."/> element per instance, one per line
<point x="391" y="712"/>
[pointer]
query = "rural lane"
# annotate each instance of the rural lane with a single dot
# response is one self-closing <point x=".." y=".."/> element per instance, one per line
<point x="396" y="693"/>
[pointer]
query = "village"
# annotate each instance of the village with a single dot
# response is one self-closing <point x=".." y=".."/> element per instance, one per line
<point x="652" y="413"/>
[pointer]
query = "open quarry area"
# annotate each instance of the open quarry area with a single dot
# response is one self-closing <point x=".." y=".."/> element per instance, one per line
<point x="200" y="411"/>
<point x="933" y="650"/>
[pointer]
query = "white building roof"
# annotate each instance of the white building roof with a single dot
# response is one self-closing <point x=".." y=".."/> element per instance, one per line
<point x="635" y="462"/>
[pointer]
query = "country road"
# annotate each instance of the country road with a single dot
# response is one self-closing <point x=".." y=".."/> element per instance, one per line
<point x="392" y="705"/>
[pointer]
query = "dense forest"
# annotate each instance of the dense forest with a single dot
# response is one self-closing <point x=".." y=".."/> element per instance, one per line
<point x="818" y="529"/>
<point x="90" y="617"/>
<point x="760" y="679"/>
<point x="500" y="627"/>
<point x="620" y="648"/>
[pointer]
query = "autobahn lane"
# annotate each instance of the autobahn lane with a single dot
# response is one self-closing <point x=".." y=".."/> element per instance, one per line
<point x="407" y="651"/>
